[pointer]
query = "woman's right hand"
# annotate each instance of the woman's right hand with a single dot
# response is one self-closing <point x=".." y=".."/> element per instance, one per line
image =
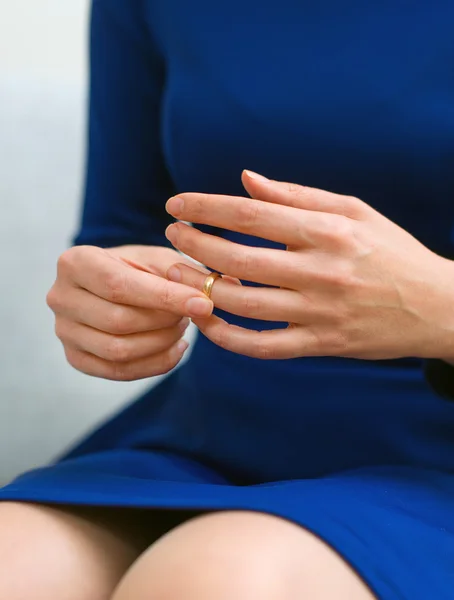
<point x="119" y="322"/>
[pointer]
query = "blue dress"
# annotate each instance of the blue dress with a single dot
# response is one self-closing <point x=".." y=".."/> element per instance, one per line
<point x="354" y="97"/>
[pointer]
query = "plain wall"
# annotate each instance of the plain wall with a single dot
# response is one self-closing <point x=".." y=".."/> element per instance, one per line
<point x="44" y="404"/>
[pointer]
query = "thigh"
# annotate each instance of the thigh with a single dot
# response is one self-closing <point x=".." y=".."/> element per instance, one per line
<point x="241" y="555"/>
<point x="72" y="553"/>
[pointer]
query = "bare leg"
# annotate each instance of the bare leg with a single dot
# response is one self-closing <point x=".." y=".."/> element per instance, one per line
<point x="71" y="553"/>
<point x="241" y="555"/>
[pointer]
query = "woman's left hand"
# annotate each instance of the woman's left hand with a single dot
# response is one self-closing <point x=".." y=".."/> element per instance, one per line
<point x="351" y="283"/>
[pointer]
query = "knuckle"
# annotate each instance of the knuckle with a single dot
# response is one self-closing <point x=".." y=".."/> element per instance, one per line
<point x="264" y="350"/>
<point x="251" y="306"/>
<point x="299" y="192"/>
<point x="300" y="233"/>
<point x="60" y="329"/>
<point x="70" y="258"/>
<point x="76" y="359"/>
<point x="167" y="296"/>
<point x="116" y="285"/>
<point x="66" y="260"/>
<point x="237" y="262"/>
<point x="322" y="227"/>
<point x="119" y="321"/>
<point x="343" y="276"/>
<point x="294" y="188"/>
<point x="350" y="205"/>
<point x="121" y="372"/>
<point x="341" y="230"/>
<point x="220" y="338"/>
<point x="248" y="214"/>
<point x="53" y="299"/>
<point x="340" y="277"/>
<point x="354" y="208"/>
<point x="118" y="350"/>
<point x="242" y="264"/>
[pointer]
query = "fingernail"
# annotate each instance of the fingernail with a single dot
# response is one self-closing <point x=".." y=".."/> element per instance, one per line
<point x="256" y="176"/>
<point x="199" y="307"/>
<point x="184" y="324"/>
<point x="172" y="234"/>
<point x="175" y="206"/>
<point x="174" y="274"/>
<point x="182" y="346"/>
<point x="233" y="280"/>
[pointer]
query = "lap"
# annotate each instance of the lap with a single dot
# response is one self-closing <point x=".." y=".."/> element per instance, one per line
<point x="394" y="525"/>
<point x="241" y="555"/>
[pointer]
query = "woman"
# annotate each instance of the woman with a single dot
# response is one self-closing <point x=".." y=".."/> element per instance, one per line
<point x="326" y="476"/>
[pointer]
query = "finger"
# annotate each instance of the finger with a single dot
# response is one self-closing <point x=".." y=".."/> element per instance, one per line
<point x="302" y="197"/>
<point x="76" y="304"/>
<point x="201" y="270"/>
<point x="275" y="344"/>
<point x="261" y="265"/>
<point x="111" y="279"/>
<point x="282" y="224"/>
<point x="267" y="304"/>
<point x="130" y="371"/>
<point x="139" y="267"/>
<point x="139" y="257"/>
<point x="118" y="348"/>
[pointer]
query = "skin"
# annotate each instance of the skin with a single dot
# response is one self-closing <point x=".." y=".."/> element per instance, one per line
<point x="350" y="282"/>
<point x="77" y="554"/>
<point x="73" y="553"/>
<point x="241" y="556"/>
<point x="116" y="314"/>
<point x="100" y="554"/>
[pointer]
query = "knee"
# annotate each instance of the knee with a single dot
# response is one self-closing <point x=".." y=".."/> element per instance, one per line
<point x="34" y="552"/>
<point x="241" y="555"/>
<point x="221" y="556"/>
<point x="46" y="552"/>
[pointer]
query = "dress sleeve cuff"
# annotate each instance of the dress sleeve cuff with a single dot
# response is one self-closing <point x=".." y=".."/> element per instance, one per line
<point x="440" y="376"/>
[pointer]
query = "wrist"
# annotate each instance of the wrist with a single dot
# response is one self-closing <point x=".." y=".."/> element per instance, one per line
<point x="443" y="312"/>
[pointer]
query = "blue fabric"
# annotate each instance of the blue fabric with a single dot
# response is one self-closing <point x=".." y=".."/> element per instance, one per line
<point x="355" y="97"/>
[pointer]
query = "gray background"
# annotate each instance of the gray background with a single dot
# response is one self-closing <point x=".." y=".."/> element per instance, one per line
<point x="44" y="403"/>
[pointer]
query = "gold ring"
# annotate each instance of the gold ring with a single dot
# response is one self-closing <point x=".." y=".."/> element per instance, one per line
<point x="209" y="282"/>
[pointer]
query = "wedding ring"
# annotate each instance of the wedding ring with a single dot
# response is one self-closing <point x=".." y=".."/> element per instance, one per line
<point x="209" y="282"/>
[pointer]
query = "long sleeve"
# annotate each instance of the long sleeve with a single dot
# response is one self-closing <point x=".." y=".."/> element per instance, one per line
<point x="127" y="182"/>
<point x="439" y="374"/>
